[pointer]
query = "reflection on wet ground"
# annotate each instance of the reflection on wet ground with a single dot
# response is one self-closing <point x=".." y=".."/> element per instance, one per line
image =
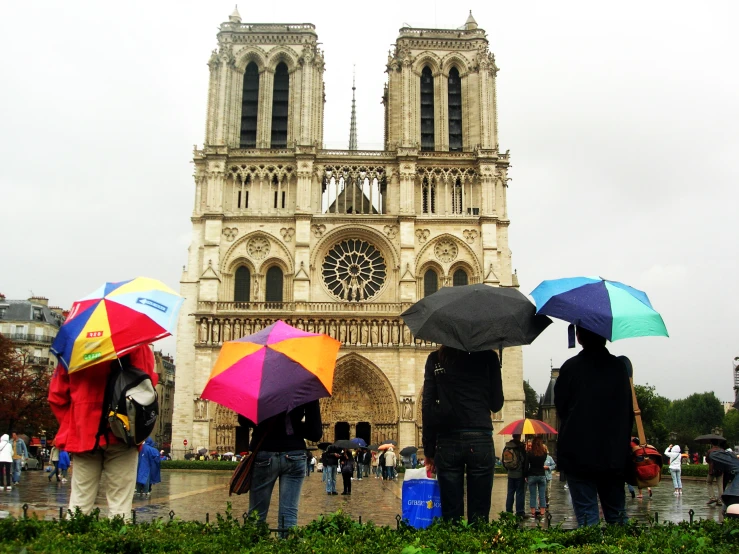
<point x="192" y="494"/>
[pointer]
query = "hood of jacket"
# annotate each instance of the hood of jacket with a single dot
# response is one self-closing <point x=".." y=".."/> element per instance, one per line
<point x="4" y="438"/>
<point x="149" y="442"/>
<point x="676" y="449"/>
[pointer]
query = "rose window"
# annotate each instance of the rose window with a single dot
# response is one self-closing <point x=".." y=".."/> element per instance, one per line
<point x="258" y="248"/>
<point x="354" y="270"/>
<point x="445" y="250"/>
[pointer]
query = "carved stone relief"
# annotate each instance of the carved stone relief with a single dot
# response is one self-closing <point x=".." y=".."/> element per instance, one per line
<point x="445" y="250"/>
<point x="391" y="231"/>
<point x="318" y="229"/>
<point x="287" y="233"/>
<point x="469" y="235"/>
<point x="422" y="235"/>
<point x="230" y="233"/>
<point x="258" y="247"/>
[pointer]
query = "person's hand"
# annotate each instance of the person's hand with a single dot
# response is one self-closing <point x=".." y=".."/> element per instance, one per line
<point x="429" y="465"/>
<point x="546" y="467"/>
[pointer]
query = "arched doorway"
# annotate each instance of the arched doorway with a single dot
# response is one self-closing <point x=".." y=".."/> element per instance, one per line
<point x="364" y="399"/>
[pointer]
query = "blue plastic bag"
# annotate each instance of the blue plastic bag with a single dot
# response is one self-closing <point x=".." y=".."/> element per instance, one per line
<point x="421" y="499"/>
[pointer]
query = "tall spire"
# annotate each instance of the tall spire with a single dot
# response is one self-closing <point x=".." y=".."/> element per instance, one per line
<point x="353" y="126"/>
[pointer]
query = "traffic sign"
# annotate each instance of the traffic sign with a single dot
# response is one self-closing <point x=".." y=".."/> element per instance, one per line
<point x="184" y="442"/>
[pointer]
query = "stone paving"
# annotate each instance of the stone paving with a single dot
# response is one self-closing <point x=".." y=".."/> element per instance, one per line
<point x="192" y="494"/>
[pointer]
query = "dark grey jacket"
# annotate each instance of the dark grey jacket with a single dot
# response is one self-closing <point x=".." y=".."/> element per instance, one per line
<point x="466" y="393"/>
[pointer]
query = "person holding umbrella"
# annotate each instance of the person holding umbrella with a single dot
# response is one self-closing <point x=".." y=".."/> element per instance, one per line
<point x="593" y="383"/>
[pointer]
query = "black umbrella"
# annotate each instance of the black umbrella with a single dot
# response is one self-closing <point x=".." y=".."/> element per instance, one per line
<point x="706" y="439"/>
<point x="323" y="445"/>
<point x="345" y="444"/>
<point x="394" y="443"/>
<point x="372" y="447"/>
<point x="474" y="318"/>
<point x="408" y="450"/>
<point x="202" y="451"/>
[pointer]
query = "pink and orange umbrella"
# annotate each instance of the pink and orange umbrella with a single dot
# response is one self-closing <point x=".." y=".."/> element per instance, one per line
<point x="528" y="427"/>
<point x="272" y="371"/>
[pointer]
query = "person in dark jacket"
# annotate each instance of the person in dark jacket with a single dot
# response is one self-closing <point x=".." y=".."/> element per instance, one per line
<point x="460" y="389"/>
<point x="282" y="455"/>
<point x="516" y="478"/>
<point x="536" y="478"/>
<point x="593" y="400"/>
<point x="347" y="470"/>
<point x="330" y="460"/>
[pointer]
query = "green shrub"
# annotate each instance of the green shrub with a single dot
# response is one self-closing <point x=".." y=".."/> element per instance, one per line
<point x="338" y="533"/>
<point x="195" y="464"/>
<point x="692" y="470"/>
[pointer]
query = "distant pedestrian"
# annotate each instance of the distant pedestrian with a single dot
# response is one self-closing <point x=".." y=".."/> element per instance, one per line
<point x="330" y="461"/>
<point x="148" y="472"/>
<point x="390" y="461"/>
<point x="381" y="464"/>
<point x="674" y="457"/>
<point x="347" y="470"/>
<point x="714" y="480"/>
<point x="20" y="455"/>
<point x="54" y="459"/>
<point x="516" y="483"/>
<point x="6" y="463"/>
<point x="535" y="475"/>
<point x="376" y="465"/>
<point x="64" y="463"/>
<point x="549" y="467"/>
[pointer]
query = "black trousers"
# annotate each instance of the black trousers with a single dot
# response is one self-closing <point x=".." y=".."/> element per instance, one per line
<point x="6" y="468"/>
<point x="347" y="477"/>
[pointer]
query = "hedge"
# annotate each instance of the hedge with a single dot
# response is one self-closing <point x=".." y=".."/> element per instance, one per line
<point x="337" y="533"/>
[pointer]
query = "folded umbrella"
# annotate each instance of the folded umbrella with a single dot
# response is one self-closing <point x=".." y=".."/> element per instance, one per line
<point x="528" y="427"/>
<point x="474" y="318"/>
<point x="609" y="308"/>
<point x="114" y="320"/>
<point x="272" y="371"/>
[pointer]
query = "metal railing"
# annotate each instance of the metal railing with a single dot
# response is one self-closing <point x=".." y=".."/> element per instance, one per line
<point x="27" y="337"/>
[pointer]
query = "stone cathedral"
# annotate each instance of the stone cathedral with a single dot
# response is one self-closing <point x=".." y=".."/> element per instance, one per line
<point x="341" y="241"/>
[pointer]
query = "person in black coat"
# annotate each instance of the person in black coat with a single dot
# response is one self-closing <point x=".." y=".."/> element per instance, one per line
<point x="460" y="390"/>
<point x="592" y="396"/>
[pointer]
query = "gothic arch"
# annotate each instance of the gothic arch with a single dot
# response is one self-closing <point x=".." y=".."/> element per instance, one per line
<point x="427" y="58"/>
<point x="421" y="276"/>
<point x="282" y="54"/>
<point x="354" y="231"/>
<point x="454" y="59"/>
<point x="361" y="393"/>
<point x="465" y="253"/>
<point x="239" y="261"/>
<point x="238" y="249"/>
<point x="251" y="54"/>
<point x="465" y="265"/>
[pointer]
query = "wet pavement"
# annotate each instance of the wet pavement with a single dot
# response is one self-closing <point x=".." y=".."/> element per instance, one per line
<point x="192" y="494"/>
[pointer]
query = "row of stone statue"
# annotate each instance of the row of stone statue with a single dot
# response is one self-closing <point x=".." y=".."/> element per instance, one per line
<point x="350" y="332"/>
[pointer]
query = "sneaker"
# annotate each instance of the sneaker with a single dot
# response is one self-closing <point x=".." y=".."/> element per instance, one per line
<point x="64" y="480"/>
<point x="8" y="488"/>
<point x="566" y="487"/>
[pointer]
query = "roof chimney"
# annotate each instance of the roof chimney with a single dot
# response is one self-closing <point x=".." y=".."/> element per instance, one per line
<point x="39" y="300"/>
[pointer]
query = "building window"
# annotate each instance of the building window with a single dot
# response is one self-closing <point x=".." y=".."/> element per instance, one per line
<point x="455" y="111"/>
<point x="249" y="107"/>
<point x="457" y="197"/>
<point x="428" y="194"/>
<point x="460" y="278"/>
<point x="280" y="96"/>
<point x="427" y="109"/>
<point x="274" y="285"/>
<point x="354" y="270"/>
<point x="430" y="282"/>
<point x="241" y="284"/>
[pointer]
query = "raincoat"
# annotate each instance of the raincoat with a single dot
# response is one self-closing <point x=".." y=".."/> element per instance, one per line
<point x="149" y="469"/>
<point x="63" y="462"/>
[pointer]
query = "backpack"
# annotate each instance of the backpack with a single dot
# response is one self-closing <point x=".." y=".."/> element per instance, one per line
<point x="381" y="461"/>
<point x="130" y="404"/>
<point x="348" y="467"/>
<point x="512" y="459"/>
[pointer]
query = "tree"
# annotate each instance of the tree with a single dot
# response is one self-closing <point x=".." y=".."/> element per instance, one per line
<point x="24" y="407"/>
<point x="532" y="400"/>
<point x="731" y="427"/>
<point x="695" y="415"/>
<point x="653" y="409"/>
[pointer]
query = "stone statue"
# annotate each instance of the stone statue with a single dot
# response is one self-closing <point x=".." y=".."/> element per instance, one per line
<point x="374" y="333"/>
<point x="332" y="328"/>
<point x="342" y="332"/>
<point x="246" y="329"/>
<point x="407" y="412"/>
<point x="385" y="332"/>
<point x="203" y="330"/>
<point x="311" y="326"/>
<point x="200" y="409"/>
<point x="301" y="325"/>
<point x="395" y="334"/>
<point x="407" y="338"/>
<point x="322" y="326"/>
<point x="364" y="333"/>
<point x="227" y="330"/>
<point x="353" y="332"/>
<point x="216" y="332"/>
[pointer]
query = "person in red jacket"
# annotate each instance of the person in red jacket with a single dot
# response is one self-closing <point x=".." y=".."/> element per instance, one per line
<point x="77" y="402"/>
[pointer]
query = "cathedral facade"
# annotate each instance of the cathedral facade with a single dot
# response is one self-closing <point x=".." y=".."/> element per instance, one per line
<point x="341" y="241"/>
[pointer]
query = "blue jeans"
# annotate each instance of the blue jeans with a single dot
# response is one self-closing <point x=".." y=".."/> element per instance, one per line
<point x="585" y="493"/>
<point x="471" y="454"/>
<point x="677" y="482"/>
<point x="329" y="473"/>
<point x="516" y="487"/>
<point x="289" y="468"/>
<point x="537" y="485"/>
<point x="17" y="470"/>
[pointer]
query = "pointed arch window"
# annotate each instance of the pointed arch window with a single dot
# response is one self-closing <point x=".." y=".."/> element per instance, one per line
<point x="455" y="111"/>
<point x="249" y="107"/>
<point x="242" y="279"/>
<point x="280" y="97"/>
<point x="427" y="109"/>
<point x="274" y="285"/>
<point x="460" y="278"/>
<point x="457" y="197"/>
<point x="430" y="282"/>
<point x="428" y="196"/>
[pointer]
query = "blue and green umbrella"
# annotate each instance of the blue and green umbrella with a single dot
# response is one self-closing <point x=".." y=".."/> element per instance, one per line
<point x="609" y="308"/>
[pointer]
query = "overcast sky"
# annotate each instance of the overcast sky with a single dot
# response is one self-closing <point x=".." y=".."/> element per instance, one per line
<point x="622" y="122"/>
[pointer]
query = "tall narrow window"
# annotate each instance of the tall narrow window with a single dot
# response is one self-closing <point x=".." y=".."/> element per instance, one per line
<point x="280" y="96"/>
<point x="274" y="285"/>
<point x="430" y="282"/>
<point x="427" y="109"/>
<point x="460" y="278"/>
<point x="457" y="197"/>
<point x="455" y="111"/>
<point x="241" y="284"/>
<point x="249" y="105"/>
